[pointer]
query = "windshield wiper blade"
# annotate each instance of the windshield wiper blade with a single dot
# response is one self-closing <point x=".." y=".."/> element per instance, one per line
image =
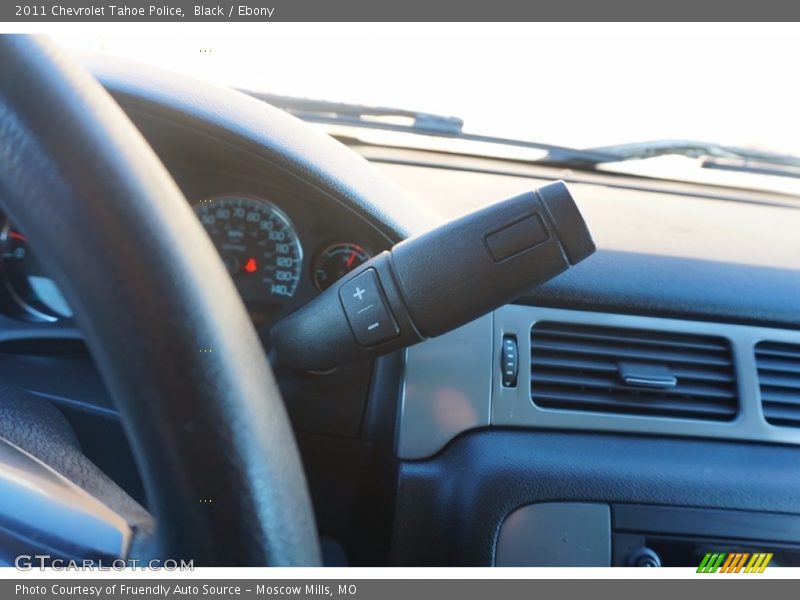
<point x="708" y="151"/>
<point x="752" y="166"/>
<point x="389" y="119"/>
<point x="343" y="113"/>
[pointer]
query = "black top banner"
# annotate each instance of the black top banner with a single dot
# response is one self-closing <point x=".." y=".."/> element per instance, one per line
<point x="49" y="11"/>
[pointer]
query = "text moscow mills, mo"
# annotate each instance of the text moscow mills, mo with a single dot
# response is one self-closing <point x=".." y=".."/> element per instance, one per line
<point x="187" y="590"/>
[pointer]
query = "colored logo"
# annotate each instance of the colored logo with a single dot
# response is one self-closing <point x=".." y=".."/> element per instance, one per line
<point x="734" y="562"/>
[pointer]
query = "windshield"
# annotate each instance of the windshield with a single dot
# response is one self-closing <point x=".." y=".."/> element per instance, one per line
<point x="566" y="84"/>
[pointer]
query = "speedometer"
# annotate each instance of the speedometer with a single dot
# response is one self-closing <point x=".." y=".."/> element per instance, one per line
<point x="257" y="243"/>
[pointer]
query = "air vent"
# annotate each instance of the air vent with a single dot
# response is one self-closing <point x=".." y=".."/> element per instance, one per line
<point x="632" y="371"/>
<point x="779" y="378"/>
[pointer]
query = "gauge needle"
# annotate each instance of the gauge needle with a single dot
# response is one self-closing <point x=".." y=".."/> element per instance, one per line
<point x="351" y="259"/>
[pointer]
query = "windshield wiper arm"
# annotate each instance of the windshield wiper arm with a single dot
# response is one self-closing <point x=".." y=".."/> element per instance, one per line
<point x="760" y="167"/>
<point x="389" y="119"/>
<point x="343" y="113"/>
<point x="711" y="153"/>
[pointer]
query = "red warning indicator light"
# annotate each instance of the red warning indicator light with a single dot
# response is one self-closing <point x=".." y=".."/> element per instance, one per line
<point x="250" y="266"/>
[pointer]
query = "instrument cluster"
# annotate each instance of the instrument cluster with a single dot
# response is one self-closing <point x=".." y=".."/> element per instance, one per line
<point x="276" y="265"/>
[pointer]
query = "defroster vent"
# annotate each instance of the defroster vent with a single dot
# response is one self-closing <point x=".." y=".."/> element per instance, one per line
<point x="632" y="371"/>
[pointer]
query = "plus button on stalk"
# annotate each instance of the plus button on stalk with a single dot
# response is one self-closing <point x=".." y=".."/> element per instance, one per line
<point x="366" y="309"/>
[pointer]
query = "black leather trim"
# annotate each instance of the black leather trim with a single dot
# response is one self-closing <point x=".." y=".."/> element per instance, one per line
<point x="159" y="313"/>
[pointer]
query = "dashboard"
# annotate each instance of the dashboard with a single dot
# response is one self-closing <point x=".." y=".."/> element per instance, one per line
<point x="421" y="456"/>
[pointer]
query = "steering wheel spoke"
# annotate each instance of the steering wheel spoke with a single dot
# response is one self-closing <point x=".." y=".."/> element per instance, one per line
<point x="43" y="513"/>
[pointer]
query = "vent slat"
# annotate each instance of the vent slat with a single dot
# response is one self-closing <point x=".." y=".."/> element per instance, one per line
<point x="778" y="365"/>
<point x="770" y="380"/>
<point x="779" y="379"/>
<point x="587" y="364"/>
<point x="778" y="351"/>
<point x="632" y="353"/>
<point x="780" y="397"/>
<point x="612" y="384"/>
<point x="577" y="367"/>
<point x="613" y="403"/>
<point x="783" y="415"/>
<point x="627" y="339"/>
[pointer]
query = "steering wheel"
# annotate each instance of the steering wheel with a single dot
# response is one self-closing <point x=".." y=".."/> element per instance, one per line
<point x="159" y="313"/>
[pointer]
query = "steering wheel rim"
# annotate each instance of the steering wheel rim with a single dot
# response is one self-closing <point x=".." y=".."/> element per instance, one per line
<point x="159" y="313"/>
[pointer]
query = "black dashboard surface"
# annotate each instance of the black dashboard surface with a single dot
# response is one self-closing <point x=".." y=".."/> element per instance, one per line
<point x="694" y="252"/>
<point x="459" y="498"/>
